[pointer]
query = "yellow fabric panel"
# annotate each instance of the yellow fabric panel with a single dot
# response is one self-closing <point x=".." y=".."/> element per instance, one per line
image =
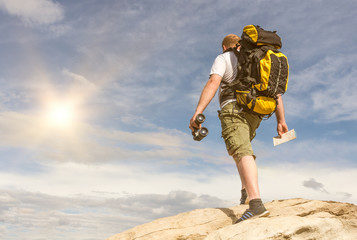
<point x="249" y="105"/>
<point x="264" y="105"/>
<point x="242" y="97"/>
<point x="265" y="66"/>
<point x="251" y="31"/>
<point x="279" y="54"/>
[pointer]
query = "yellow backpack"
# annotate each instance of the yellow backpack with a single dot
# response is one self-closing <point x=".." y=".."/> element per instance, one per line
<point x="263" y="71"/>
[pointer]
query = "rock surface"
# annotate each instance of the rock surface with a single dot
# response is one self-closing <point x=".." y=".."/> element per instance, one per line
<point x="295" y="219"/>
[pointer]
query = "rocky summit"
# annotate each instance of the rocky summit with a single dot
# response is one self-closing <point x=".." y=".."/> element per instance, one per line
<point x="295" y="219"/>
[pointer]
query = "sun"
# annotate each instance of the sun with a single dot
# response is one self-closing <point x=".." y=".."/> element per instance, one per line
<point x="61" y="115"/>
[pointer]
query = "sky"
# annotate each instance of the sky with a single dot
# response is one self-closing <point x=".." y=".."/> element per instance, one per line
<point x="96" y="98"/>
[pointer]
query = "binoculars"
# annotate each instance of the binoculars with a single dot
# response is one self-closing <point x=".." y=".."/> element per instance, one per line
<point x="199" y="133"/>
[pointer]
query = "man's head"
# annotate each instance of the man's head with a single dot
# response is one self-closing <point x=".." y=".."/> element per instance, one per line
<point x="230" y="41"/>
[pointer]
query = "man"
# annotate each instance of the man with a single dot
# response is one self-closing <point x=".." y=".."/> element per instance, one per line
<point x="238" y="127"/>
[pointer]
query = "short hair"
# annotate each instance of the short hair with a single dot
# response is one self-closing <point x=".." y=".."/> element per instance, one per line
<point x="230" y="41"/>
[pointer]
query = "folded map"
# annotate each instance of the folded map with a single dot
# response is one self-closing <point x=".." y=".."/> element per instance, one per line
<point x="290" y="135"/>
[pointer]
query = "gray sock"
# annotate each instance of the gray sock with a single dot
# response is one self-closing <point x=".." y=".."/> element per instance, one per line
<point x="256" y="205"/>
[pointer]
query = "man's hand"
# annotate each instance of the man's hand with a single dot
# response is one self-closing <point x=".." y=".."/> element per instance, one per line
<point x="282" y="128"/>
<point x="193" y="124"/>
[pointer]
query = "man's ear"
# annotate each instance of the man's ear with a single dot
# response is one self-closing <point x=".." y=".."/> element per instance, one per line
<point x="224" y="48"/>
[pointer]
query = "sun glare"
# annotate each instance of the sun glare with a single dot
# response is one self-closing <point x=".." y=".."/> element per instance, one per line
<point x="61" y="115"/>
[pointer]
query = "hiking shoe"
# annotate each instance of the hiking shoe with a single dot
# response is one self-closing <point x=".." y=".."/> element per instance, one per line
<point x="250" y="214"/>
<point x="244" y="196"/>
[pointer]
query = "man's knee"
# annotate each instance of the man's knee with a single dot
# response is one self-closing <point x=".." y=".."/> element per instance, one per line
<point x="238" y="157"/>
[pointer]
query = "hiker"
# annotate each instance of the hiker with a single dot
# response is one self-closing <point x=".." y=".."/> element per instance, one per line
<point x="238" y="126"/>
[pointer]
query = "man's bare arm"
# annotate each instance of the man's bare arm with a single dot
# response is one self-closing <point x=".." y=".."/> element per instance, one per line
<point x="282" y="127"/>
<point x="208" y="92"/>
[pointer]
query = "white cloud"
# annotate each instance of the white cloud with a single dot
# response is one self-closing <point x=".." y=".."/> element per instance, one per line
<point x="324" y="91"/>
<point x="80" y="87"/>
<point x="43" y="216"/>
<point x="71" y="179"/>
<point x="69" y="196"/>
<point x="34" y="11"/>
<point x="102" y="197"/>
<point x="289" y="181"/>
<point x="89" y="144"/>
<point x="282" y="174"/>
<point x="287" y="171"/>
<point x="112" y="209"/>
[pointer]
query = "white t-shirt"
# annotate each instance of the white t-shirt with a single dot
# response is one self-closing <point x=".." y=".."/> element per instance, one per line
<point x="225" y="65"/>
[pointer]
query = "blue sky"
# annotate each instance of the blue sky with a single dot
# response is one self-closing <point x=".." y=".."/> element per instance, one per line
<point x="96" y="97"/>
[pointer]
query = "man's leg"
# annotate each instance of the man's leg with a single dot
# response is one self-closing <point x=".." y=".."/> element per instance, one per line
<point x="248" y="172"/>
<point x="244" y="196"/>
<point x="249" y="176"/>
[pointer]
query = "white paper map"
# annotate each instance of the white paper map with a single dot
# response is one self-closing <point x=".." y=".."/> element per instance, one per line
<point x="284" y="137"/>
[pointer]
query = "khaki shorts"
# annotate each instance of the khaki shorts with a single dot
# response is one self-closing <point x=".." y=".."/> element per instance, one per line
<point x="238" y="130"/>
